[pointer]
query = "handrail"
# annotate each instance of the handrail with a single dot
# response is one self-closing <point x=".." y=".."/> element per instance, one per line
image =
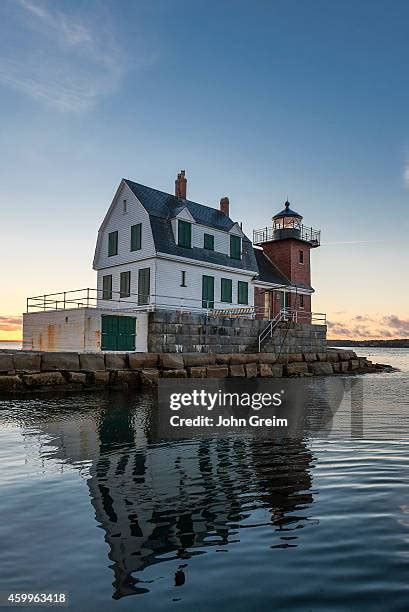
<point x="287" y="315"/>
<point x="306" y="233"/>
<point x="268" y="331"/>
<point x="92" y="298"/>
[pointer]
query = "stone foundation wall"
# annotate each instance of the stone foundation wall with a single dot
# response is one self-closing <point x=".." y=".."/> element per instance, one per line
<point x="30" y="372"/>
<point x="172" y="332"/>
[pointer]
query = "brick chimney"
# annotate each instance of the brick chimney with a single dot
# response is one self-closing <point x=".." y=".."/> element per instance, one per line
<point x="180" y="185"/>
<point x="225" y="206"/>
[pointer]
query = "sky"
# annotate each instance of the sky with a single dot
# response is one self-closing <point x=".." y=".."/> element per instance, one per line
<point x="256" y="101"/>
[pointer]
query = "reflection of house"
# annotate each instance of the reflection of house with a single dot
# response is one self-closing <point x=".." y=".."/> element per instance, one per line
<point x="154" y="498"/>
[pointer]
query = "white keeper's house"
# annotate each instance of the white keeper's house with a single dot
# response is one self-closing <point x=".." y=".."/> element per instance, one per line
<point x="157" y="250"/>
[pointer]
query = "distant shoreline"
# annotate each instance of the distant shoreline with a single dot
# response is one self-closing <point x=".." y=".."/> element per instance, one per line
<point x="396" y="343"/>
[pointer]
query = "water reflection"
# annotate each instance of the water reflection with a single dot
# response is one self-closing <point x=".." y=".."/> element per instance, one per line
<point x="158" y="500"/>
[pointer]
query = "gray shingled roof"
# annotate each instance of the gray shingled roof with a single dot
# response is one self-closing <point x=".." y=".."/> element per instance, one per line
<point x="162" y="207"/>
<point x="268" y="272"/>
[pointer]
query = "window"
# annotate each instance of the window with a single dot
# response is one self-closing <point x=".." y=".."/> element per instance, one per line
<point x="243" y="292"/>
<point x="124" y="207"/>
<point x="226" y="290"/>
<point x="301" y="256"/>
<point x="144" y="281"/>
<point x="136" y="237"/>
<point x="209" y="242"/>
<point x="183" y="279"/>
<point x="112" y="244"/>
<point x="125" y="284"/>
<point x="235" y="247"/>
<point x="286" y="300"/>
<point x="207" y="291"/>
<point x="301" y="301"/>
<point x="184" y="234"/>
<point x="107" y="287"/>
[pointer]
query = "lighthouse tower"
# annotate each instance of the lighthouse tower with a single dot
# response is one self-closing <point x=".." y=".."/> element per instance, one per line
<point x="287" y="245"/>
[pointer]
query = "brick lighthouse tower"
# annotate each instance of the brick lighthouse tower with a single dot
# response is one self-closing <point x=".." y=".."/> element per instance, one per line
<point x="287" y="245"/>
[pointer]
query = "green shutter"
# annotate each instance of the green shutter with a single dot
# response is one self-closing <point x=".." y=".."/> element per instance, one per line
<point x="184" y="234"/>
<point x="144" y="286"/>
<point x="226" y="290"/>
<point x="126" y="333"/>
<point x="118" y="333"/>
<point x="125" y="284"/>
<point x="207" y="291"/>
<point x="136" y="237"/>
<point x="235" y="247"/>
<point x="112" y="244"/>
<point x="107" y="287"/>
<point x="109" y="328"/>
<point x="243" y="292"/>
<point x="209" y="242"/>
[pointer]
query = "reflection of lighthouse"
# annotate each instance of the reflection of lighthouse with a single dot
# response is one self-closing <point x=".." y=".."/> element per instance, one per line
<point x="156" y="499"/>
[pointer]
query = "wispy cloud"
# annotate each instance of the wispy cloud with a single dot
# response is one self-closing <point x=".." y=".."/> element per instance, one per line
<point x="406" y="175"/>
<point x="365" y="326"/>
<point x="65" y="60"/>
<point x="10" y="323"/>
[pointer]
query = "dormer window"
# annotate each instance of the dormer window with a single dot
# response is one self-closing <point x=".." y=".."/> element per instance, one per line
<point x="235" y="247"/>
<point x="208" y="242"/>
<point x="184" y="234"/>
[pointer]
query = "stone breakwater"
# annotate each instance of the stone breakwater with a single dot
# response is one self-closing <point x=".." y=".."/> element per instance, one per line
<point x="27" y="371"/>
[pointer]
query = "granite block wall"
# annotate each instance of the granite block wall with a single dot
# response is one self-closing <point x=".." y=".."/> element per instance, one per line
<point x="173" y="332"/>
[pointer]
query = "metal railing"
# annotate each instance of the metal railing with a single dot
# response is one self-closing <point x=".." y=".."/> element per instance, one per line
<point x="278" y="232"/>
<point x="290" y="315"/>
<point x="115" y="300"/>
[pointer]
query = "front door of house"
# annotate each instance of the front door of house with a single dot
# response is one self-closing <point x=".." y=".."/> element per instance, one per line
<point x="284" y="300"/>
<point x="118" y="333"/>
<point x="207" y="291"/>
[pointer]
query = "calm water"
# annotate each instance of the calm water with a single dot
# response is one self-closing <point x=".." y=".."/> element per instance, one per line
<point x="93" y="502"/>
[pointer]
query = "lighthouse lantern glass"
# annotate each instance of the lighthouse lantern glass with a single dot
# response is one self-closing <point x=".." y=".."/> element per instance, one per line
<point x="287" y="223"/>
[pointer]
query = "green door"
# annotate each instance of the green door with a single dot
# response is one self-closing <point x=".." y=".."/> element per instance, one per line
<point x="118" y="333"/>
<point x="207" y="291"/>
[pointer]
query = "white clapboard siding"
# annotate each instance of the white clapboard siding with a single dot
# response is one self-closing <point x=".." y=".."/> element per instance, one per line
<point x="133" y="268"/>
<point x="116" y="220"/>
<point x="168" y="281"/>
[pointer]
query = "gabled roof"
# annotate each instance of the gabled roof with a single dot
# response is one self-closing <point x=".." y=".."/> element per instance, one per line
<point x="162" y="207"/>
<point x="167" y="206"/>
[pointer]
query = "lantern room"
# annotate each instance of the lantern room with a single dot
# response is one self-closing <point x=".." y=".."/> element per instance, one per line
<point x="287" y="224"/>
